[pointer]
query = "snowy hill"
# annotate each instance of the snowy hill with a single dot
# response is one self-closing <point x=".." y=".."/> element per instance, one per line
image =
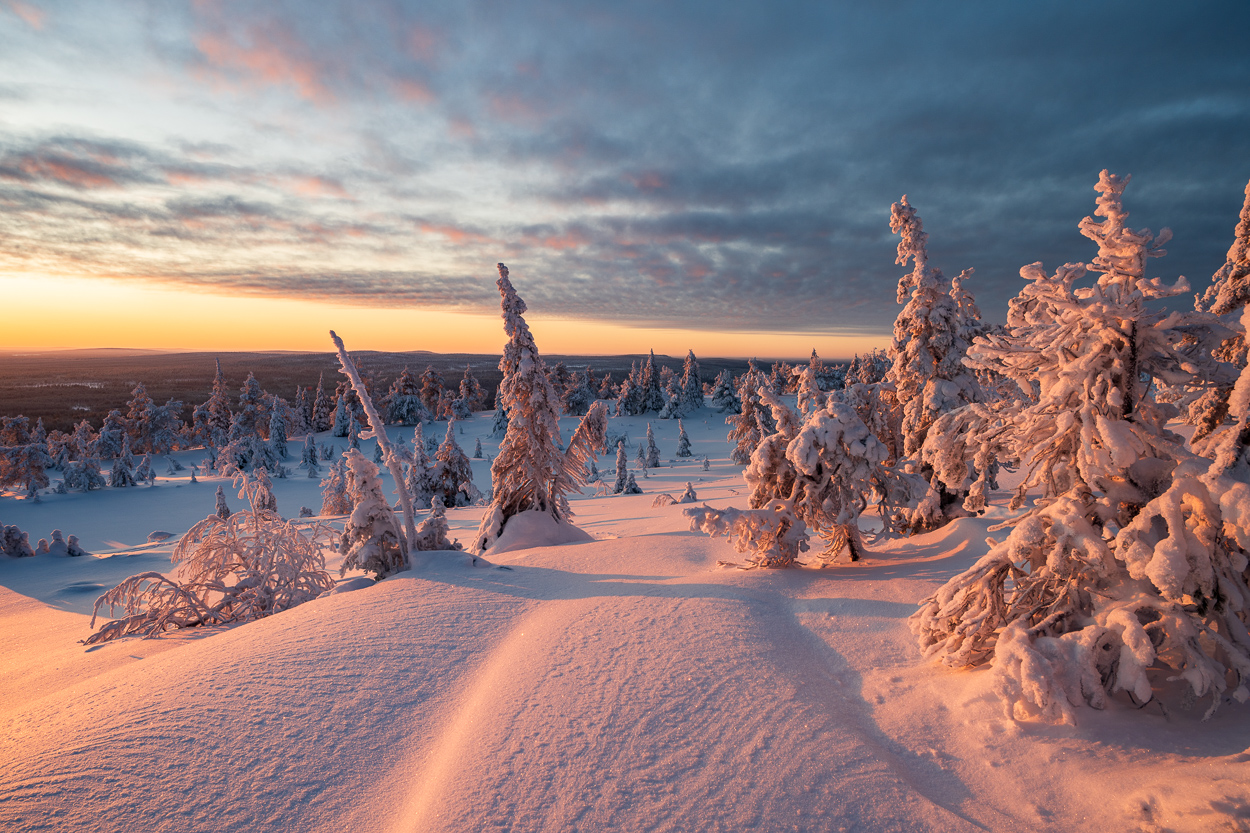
<point x="626" y="683"/>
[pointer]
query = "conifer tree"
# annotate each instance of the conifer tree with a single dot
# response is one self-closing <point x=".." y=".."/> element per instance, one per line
<point x="622" y="468"/>
<point x="1113" y="569"/>
<point x="683" y="441"/>
<point x="371" y="538"/>
<point x="653" y="398"/>
<point x="724" y="396"/>
<point x="530" y="472"/>
<point x="108" y="443"/>
<point x="139" y="419"/>
<point x="453" y="473"/>
<point x="222" y="509"/>
<point x="217" y="411"/>
<point x="322" y="408"/>
<point x="652" y="459"/>
<point x="334" y="498"/>
<point x="277" y="433"/>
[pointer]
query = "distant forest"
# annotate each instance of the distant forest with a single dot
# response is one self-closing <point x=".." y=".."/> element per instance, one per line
<point x="66" y="387"/>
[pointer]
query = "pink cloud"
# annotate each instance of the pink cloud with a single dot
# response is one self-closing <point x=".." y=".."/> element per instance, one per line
<point x="34" y="17"/>
<point x="415" y="91"/>
<point x="453" y="233"/>
<point x="65" y="171"/>
<point x="268" y="55"/>
<point x="317" y="186"/>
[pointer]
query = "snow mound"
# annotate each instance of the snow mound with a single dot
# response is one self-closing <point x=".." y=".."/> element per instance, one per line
<point x="536" y="528"/>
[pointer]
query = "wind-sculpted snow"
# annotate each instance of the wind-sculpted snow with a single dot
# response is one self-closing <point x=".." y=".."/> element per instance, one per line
<point x="622" y="683"/>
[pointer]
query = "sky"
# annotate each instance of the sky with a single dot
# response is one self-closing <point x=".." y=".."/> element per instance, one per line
<point x="668" y="176"/>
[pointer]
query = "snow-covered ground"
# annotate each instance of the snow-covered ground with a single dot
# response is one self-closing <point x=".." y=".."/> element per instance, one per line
<point x="627" y="683"/>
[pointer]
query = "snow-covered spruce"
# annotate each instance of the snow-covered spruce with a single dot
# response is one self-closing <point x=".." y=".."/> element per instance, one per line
<point x="530" y="472"/>
<point x="247" y="566"/>
<point x="652" y="453"/>
<point x="752" y="422"/>
<point x="1131" y="557"/>
<point x="453" y="473"/>
<point x="930" y="341"/>
<point x="334" y="499"/>
<point x="371" y="539"/>
<point x="683" y="441"/>
<point x="433" y="532"/>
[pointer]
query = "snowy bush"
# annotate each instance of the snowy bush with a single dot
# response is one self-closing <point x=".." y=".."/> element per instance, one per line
<point x="772" y="534"/>
<point x="250" y="565"/>
<point x="14" y="542"/>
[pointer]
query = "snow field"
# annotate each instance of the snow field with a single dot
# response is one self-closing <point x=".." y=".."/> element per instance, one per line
<point x="625" y="683"/>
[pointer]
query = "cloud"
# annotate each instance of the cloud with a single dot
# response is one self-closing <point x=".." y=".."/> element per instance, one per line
<point x="32" y="16"/>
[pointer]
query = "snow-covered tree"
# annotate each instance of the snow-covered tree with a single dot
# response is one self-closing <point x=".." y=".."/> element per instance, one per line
<point x="334" y="498"/>
<point x="277" y="433"/>
<point x="323" y="407"/>
<point x="108" y="443"/>
<point x="608" y="390"/>
<point x="1122" y="563"/>
<point x="24" y="467"/>
<point x="433" y="533"/>
<point x="579" y="395"/>
<point x="724" y="394"/>
<point x="245" y="450"/>
<point x="214" y="416"/>
<point x="15" y="543"/>
<point x="931" y="338"/>
<point x="453" y="473"/>
<point x="499" y="422"/>
<point x="477" y="449"/>
<point x="143" y="472"/>
<point x="120" y="477"/>
<point x="652" y="454"/>
<point x="683" y="441"/>
<point x="530" y="472"/>
<point x="652" y="391"/>
<point x="84" y="475"/>
<point x="308" y="460"/>
<point x="622" y="468"/>
<point x="371" y="539"/>
<point x="753" y="422"/>
<point x="432" y="389"/>
<point x="810" y="396"/>
<point x="348" y="412"/>
<point x="247" y="566"/>
<point x="82" y="443"/>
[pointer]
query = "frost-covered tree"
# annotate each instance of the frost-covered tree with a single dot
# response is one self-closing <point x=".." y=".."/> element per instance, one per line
<point x="432" y="389"/>
<point x="477" y="449"/>
<point x="301" y="413"/>
<point x="683" y="441"/>
<point x="810" y="396"/>
<point x="420" y="478"/>
<point x="82" y="443"/>
<point x="1117" y="566"/>
<point x="652" y="390"/>
<point x="277" y="433"/>
<point x="753" y="422"/>
<point x="349" y="414"/>
<point x="323" y="407"/>
<point x="1207" y="404"/>
<point x="579" y="395"/>
<point x="724" y="394"/>
<point x="499" y="422"/>
<point x="120" y="476"/>
<point x="607" y="390"/>
<point x="143" y="472"/>
<point x="652" y="455"/>
<point x="433" y="533"/>
<point x="308" y="460"/>
<point x="931" y="338"/>
<point x="691" y="384"/>
<point x="247" y="566"/>
<point x="84" y="475"/>
<point x="24" y="467"/>
<point x="471" y="390"/>
<point x="371" y="539"/>
<point x="139" y="417"/>
<point x="404" y="405"/>
<point x="15" y="543"/>
<point x="622" y="468"/>
<point x="108" y="443"/>
<point x="334" y="498"/>
<point x="530" y="472"/>
<point x="214" y="416"/>
<point x="453" y="473"/>
<point x="245" y="450"/>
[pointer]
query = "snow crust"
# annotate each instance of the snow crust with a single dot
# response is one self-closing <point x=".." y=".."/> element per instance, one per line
<point x="620" y="682"/>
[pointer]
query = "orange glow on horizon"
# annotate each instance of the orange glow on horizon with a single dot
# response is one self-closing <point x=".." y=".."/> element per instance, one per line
<point x="67" y="313"/>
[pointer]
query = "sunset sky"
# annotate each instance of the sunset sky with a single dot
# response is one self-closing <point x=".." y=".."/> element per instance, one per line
<point x="715" y="176"/>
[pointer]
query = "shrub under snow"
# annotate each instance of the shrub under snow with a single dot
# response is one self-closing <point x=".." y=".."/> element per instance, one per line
<point x="247" y="566"/>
